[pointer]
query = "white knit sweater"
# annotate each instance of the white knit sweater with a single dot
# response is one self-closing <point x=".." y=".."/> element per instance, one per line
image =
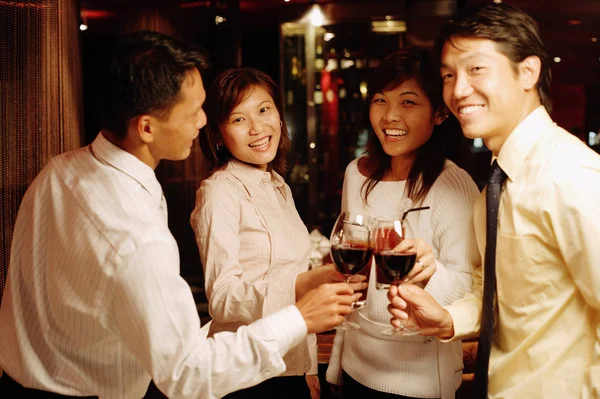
<point x="412" y="366"/>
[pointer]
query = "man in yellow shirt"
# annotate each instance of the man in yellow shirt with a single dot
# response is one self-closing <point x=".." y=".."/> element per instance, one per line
<point x="546" y="337"/>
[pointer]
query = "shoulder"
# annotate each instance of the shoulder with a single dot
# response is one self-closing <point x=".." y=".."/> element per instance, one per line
<point x="454" y="178"/>
<point x="221" y="184"/>
<point x="112" y="207"/>
<point x="454" y="185"/>
<point x="352" y="167"/>
<point x="569" y="156"/>
<point x="220" y="194"/>
<point x="571" y="168"/>
<point x="356" y="170"/>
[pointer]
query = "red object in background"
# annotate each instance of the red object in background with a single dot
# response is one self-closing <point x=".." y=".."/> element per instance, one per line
<point x="330" y="128"/>
<point x="568" y="107"/>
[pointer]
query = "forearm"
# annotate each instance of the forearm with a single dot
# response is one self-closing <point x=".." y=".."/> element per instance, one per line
<point x="229" y="362"/>
<point x="154" y="315"/>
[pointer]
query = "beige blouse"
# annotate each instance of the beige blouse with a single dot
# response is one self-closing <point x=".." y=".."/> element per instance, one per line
<point x="252" y="246"/>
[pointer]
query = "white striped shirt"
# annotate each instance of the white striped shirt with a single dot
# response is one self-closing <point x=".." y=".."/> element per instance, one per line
<point x="94" y="303"/>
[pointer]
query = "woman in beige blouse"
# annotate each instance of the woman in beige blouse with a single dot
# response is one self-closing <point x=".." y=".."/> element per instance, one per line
<point x="253" y="245"/>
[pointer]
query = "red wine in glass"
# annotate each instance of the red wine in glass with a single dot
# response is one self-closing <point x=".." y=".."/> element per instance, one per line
<point x="351" y="250"/>
<point x="392" y="267"/>
<point x="395" y="256"/>
<point x="351" y="259"/>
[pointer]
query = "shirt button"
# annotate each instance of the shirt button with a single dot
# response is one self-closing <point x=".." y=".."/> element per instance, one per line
<point x="268" y="374"/>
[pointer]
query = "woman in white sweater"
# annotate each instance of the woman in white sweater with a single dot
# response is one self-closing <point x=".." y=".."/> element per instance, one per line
<point x="406" y="159"/>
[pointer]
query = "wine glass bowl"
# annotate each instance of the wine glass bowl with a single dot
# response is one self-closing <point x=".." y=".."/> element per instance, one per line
<point x="351" y="250"/>
<point x="395" y="256"/>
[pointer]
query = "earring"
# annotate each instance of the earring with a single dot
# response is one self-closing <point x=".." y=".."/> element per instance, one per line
<point x="219" y="146"/>
<point x="280" y="123"/>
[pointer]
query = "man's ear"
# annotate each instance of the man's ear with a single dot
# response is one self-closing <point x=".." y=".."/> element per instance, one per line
<point x="144" y="126"/>
<point x="529" y="72"/>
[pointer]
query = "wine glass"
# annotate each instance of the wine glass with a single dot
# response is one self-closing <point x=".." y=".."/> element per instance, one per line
<point x="395" y="256"/>
<point x="351" y="250"/>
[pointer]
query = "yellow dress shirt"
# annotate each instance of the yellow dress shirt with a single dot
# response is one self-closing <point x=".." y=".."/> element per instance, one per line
<point x="547" y="338"/>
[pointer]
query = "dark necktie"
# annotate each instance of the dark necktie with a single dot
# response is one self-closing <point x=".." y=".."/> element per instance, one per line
<point x="496" y="178"/>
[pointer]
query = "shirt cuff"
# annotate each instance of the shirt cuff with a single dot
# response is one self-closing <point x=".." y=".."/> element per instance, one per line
<point x="286" y="327"/>
<point x="462" y="321"/>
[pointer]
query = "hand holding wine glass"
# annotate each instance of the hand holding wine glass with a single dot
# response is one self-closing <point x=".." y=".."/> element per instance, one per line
<point x="351" y="249"/>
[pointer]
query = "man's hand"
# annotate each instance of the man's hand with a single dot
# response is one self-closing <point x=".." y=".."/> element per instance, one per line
<point x="324" y="307"/>
<point x="414" y="307"/>
<point x="312" y="380"/>
<point x="323" y="275"/>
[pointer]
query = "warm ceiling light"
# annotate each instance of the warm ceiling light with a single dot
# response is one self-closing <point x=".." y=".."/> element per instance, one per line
<point x="557" y="59"/>
<point x="574" y="22"/>
<point x="287" y="1"/>
<point x="388" y="26"/>
<point x="594" y="39"/>
<point x="315" y="16"/>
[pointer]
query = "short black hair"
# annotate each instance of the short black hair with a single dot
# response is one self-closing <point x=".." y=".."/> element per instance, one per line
<point x="143" y="74"/>
<point x="514" y="31"/>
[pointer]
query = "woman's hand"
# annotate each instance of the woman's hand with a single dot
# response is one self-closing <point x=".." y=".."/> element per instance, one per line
<point x="324" y="275"/>
<point x="312" y="380"/>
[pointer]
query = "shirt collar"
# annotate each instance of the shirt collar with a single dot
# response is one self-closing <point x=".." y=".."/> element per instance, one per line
<point x="251" y="177"/>
<point x="521" y="141"/>
<point x="129" y="164"/>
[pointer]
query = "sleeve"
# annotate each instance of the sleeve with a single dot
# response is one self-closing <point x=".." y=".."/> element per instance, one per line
<point x="216" y="221"/>
<point x="311" y="340"/>
<point x="573" y="220"/>
<point x="453" y="236"/>
<point x="334" y="370"/>
<point x="153" y="313"/>
<point x="466" y="312"/>
<point x="345" y="201"/>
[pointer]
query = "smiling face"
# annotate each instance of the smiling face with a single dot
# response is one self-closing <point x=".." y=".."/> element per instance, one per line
<point x="483" y="89"/>
<point x="252" y="131"/>
<point x="173" y="135"/>
<point x="403" y="119"/>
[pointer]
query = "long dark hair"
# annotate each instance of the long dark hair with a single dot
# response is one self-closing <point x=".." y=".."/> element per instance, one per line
<point x="394" y="70"/>
<point x="515" y="32"/>
<point x="228" y="90"/>
<point x="145" y="71"/>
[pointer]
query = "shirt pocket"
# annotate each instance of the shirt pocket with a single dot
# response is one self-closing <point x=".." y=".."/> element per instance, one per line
<point x="524" y="273"/>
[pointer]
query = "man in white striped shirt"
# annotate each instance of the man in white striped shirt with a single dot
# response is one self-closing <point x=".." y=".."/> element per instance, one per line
<point x="94" y="304"/>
